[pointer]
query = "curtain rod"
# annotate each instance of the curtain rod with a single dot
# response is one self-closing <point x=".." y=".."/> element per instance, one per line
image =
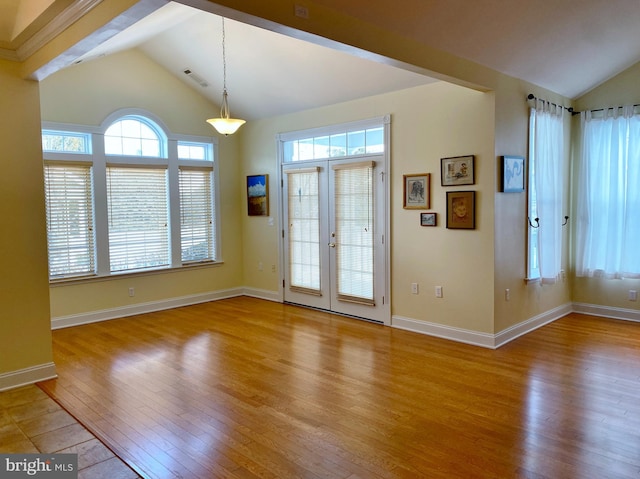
<point x="531" y="96"/>
<point x="603" y="109"/>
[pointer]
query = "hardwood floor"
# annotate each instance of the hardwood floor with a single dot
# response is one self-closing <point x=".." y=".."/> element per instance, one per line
<point x="244" y="388"/>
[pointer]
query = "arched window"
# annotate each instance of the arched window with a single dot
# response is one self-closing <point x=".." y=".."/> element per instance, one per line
<point x="146" y="201"/>
<point x="135" y="135"/>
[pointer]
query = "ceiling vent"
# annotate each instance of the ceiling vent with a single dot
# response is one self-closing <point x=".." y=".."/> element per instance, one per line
<point x="196" y="78"/>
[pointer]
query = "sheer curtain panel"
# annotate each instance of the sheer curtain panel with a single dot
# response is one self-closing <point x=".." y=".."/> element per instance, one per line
<point x="609" y="194"/>
<point x="546" y="152"/>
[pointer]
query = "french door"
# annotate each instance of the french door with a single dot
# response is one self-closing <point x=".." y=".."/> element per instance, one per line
<point x="334" y="243"/>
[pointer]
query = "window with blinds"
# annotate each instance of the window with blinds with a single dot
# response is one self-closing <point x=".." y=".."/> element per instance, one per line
<point x="304" y="230"/>
<point x="70" y="231"/>
<point x="196" y="215"/>
<point x="354" y="231"/>
<point x="138" y="218"/>
<point x="135" y="205"/>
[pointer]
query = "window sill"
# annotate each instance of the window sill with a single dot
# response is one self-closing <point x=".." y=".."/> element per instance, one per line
<point x="131" y="274"/>
<point x="531" y="280"/>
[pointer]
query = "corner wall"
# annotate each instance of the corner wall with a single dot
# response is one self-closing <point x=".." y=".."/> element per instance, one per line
<point x="607" y="297"/>
<point x="25" y="334"/>
<point x="427" y="123"/>
<point x="86" y="94"/>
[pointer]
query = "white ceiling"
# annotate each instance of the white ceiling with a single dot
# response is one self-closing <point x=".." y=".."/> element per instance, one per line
<point x="566" y="46"/>
<point x="268" y="73"/>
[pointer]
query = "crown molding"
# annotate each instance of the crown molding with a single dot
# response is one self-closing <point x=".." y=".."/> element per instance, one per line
<point x="55" y="27"/>
<point x="7" y="54"/>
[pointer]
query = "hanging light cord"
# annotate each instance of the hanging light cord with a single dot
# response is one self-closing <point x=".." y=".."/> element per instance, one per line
<point x="224" y="108"/>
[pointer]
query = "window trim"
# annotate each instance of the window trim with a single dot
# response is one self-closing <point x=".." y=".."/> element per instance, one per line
<point x="100" y="162"/>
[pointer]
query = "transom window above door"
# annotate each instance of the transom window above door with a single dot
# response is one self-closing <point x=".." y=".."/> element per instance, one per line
<point x="341" y="144"/>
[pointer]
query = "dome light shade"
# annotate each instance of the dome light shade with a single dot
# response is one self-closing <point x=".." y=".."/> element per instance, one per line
<point x="225" y="125"/>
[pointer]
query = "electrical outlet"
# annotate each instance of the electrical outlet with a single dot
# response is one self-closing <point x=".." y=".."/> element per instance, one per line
<point x="414" y="288"/>
<point x="507" y="294"/>
<point x="132" y="292"/>
<point x="438" y="291"/>
<point x="633" y="295"/>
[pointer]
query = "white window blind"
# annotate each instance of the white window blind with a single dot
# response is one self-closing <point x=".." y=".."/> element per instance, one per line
<point x="70" y="235"/>
<point x="304" y="230"/>
<point x="354" y="231"/>
<point x="138" y="218"/>
<point x="196" y="215"/>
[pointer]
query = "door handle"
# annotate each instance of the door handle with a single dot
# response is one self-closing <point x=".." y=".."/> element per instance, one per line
<point x="332" y="245"/>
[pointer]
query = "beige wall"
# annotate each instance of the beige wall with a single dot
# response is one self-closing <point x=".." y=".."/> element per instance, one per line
<point x="24" y="292"/>
<point x="510" y="131"/>
<point x="25" y="335"/>
<point x="623" y="89"/>
<point x="530" y="300"/>
<point x="86" y="94"/>
<point x="427" y="123"/>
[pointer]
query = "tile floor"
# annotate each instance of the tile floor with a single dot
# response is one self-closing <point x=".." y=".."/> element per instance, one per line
<point x="32" y="422"/>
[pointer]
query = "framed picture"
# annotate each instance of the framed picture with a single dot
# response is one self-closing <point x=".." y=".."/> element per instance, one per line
<point x="457" y="171"/>
<point x="512" y="173"/>
<point x="258" y="195"/>
<point x="417" y="192"/>
<point x="428" y="219"/>
<point x="461" y="210"/>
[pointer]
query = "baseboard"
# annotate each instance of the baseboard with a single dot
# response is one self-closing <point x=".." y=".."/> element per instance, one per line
<point x="460" y="335"/>
<point x="263" y="294"/>
<point x="485" y="340"/>
<point x="520" y="329"/>
<point x="22" y="377"/>
<point x="607" y="311"/>
<point x="141" y="308"/>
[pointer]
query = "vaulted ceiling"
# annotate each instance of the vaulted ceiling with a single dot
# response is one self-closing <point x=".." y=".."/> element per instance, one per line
<point x="566" y="46"/>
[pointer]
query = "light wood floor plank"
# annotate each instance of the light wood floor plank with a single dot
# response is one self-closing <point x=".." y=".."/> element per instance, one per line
<point x="243" y="388"/>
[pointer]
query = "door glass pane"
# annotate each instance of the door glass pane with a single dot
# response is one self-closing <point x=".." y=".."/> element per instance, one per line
<point x="304" y="230"/>
<point x="354" y="232"/>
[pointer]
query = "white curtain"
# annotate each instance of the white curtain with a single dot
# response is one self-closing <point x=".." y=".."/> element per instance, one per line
<point x="608" y="227"/>
<point x="546" y="151"/>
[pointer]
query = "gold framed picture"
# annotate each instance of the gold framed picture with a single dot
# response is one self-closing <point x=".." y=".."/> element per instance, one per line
<point x="417" y="191"/>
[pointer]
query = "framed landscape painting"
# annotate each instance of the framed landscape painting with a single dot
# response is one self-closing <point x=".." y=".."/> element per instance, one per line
<point x="258" y="195"/>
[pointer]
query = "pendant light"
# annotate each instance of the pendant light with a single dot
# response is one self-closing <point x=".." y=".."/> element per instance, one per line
<point x="225" y="125"/>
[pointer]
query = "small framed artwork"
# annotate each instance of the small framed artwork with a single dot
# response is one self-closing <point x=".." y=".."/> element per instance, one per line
<point x="461" y="210"/>
<point x="457" y="171"/>
<point x="258" y="195"/>
<point x="428" y="219"/>
<point x="512" y="172"/>
<point x="416" y="191"/>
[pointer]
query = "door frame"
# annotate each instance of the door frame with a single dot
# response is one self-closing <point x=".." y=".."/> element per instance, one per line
<point x="385" y="122"/>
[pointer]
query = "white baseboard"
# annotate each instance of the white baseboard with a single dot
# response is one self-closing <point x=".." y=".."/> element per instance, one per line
<point x="520" y="329"/>
<point x="263" y="294"/>
<point x="22" y="377"/>
<point x="141" y="308"/>
<point x="476" y="338"/>
<point x="607" y="311"/>
<point x="460" y="335"/>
